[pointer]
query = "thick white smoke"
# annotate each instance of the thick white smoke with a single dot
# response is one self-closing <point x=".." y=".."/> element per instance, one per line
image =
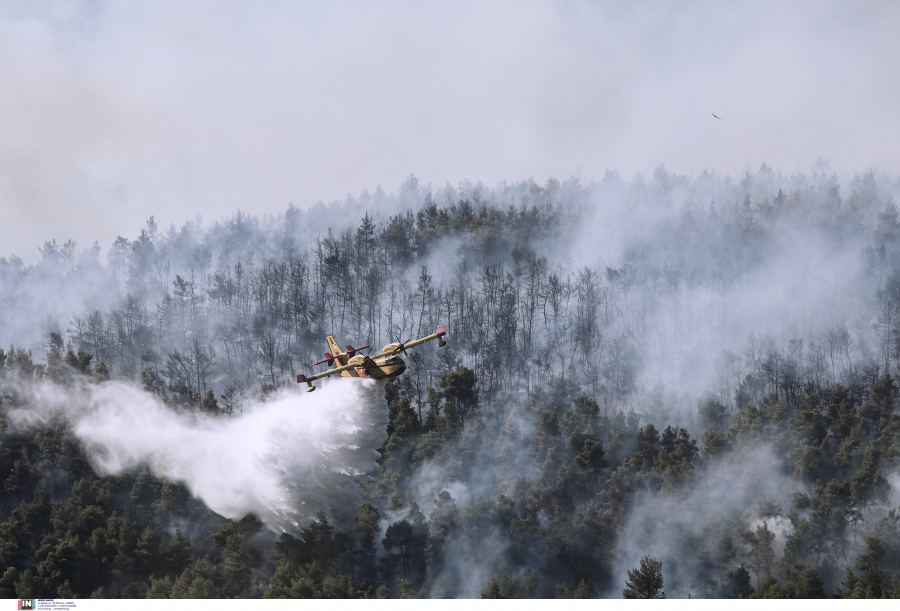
<point x="283" y="460"/>
<point x="665" y="526"/>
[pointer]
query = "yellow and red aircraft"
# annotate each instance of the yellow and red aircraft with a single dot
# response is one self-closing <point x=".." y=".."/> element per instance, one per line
<point x="386" y="364"/>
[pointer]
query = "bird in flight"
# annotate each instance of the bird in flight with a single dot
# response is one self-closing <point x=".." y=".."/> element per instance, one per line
<point x="714" y="114"/>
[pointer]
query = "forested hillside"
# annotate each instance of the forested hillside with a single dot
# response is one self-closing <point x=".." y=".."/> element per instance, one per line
<point x="700" y="372"/>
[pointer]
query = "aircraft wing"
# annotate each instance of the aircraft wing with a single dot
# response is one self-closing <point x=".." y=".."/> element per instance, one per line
<point x="394" y="350"/>
<point x="438" y="334"/>
<point x="330" y="372"/>
<point x="441" y="332"/>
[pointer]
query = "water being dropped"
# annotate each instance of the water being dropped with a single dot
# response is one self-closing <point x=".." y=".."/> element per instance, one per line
<point x="284" y="459"/>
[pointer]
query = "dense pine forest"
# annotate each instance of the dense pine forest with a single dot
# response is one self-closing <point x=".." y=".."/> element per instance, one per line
<point x="667" y="386"/>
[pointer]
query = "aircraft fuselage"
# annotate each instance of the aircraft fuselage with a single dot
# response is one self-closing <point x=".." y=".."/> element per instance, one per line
<point x="386" y="364"/>
<point x="375" y="369"/>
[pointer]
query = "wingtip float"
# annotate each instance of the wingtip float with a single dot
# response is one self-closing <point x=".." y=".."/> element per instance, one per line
<point x="386" y="364"/>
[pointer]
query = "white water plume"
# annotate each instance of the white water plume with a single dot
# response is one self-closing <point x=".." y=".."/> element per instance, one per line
<point x="283" y="460"/>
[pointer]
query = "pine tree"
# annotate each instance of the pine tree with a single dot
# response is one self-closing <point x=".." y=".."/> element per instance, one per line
<point x="645" y="582"/>
<point x="583" y="590"/>
<point x="761" y="550"/>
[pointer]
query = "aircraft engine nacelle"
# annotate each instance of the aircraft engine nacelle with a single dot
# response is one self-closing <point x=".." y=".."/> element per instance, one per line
<point x="357" y="360"/>
<point x="391" y="347"/>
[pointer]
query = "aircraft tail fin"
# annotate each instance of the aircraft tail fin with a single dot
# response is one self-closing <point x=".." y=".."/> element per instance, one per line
<point x="336" y="349"/>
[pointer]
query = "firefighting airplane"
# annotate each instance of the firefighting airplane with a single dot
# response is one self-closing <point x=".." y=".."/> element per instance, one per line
<point x="386" y="364"/>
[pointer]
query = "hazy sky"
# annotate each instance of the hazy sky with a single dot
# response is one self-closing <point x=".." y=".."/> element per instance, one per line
<point x="113" y="111"/>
